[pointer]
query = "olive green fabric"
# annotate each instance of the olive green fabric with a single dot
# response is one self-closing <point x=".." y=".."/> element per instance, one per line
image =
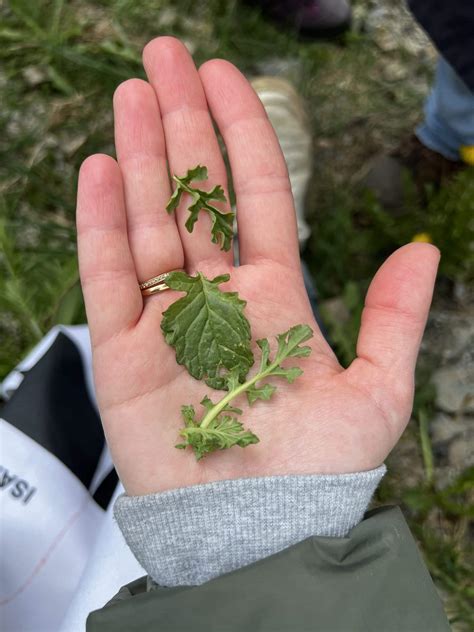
<point x="372" y="580"/>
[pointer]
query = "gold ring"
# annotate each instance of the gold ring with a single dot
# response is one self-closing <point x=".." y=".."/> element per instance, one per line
<point x="155" y="284"/>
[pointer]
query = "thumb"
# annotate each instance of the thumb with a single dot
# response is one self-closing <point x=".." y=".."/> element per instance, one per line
<point x="396" y="309"/>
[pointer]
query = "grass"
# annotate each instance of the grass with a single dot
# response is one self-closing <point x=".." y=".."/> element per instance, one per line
<point x="61" y="62"/>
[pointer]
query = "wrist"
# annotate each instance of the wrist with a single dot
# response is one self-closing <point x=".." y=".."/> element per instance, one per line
<point x="190" y="535"/>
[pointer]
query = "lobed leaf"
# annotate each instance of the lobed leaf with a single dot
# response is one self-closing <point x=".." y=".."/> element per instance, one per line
<point x="264" y="392"/>
<point x="222" y="224"/>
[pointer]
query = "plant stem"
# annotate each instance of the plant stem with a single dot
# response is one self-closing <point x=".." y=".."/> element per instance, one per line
<point x="24" y="312"/>
<point x="219" y="407"/>
<point x="426" y="449"/>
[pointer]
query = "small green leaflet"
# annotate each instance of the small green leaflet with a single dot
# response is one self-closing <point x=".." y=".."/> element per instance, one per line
<point x="288" y="347"/>
<point x="222" y="432"/>
<point x="208" y="329"/>
<point x="222" y="223"/>
<point x="219" y="427"/>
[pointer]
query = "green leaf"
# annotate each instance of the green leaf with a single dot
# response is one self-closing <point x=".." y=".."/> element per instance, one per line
<point x="265" y="348"/>
<point x="207" y="403"/>
<point x="232" y="379"/>
<point x="264" y="392"/>
<point x="198" y="173"/>
<point x="174" y="200"/>
<point x="208" y="330"/>
<point x="189" y="415"/>
<point x="288" y="343"/>
<point x="289" y="374"/>
<point x="221" y="223"/>
<point x="222" y="433"/>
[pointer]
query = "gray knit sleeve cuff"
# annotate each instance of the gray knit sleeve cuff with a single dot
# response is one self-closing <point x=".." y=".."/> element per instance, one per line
<point x="190" y="535"/>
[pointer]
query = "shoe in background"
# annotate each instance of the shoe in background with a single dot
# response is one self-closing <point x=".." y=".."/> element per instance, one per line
<point x="439" y="147"/>
<point x="427" y="169"/>
<point x="310" y="18"/>
<point x="285" y="109"/>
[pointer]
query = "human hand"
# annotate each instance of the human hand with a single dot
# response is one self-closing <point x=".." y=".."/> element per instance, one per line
<point x="330" y="420"/>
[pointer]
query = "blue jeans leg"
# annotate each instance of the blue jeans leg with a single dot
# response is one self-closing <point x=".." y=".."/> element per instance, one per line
<point x="449" y="114"/>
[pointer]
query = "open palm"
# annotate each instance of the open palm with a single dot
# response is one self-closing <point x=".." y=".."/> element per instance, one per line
<point x="330" y="420"/>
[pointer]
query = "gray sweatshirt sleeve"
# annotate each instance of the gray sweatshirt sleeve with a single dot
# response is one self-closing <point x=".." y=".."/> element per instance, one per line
<point x="190" y="535"/>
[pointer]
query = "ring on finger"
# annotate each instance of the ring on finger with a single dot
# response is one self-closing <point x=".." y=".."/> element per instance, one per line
<point x="155" y="284"/>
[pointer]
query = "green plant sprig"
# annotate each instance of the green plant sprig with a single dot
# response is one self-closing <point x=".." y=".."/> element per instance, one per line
<point x="218" y="429"/>
<point x="211" y="336"/>
<point x="222" y="223"/>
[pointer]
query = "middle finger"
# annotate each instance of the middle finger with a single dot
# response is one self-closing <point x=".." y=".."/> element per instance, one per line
<point x="190" y="138"/>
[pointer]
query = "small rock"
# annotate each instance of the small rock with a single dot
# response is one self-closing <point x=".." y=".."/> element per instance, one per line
<point x="190" y="45"/>
<point x="446" y="475"/>
<point x="71" y="145"/>
<point x="461" y="453"/>
<point x="450" y="336"/>
<point x="33" y="75"/>
<point x="385" y="41"/>
<point x="463" y="293"/>
<point x="420" y="85"/>
<point x="460" y="339"/>
<point x="444" y="428"/>
<point x="376" y="17"/>
<point x="455" y="391"/>
<point x="167" y="17"/>
<point x="395" y="71"/>
<point x="420" y="48"/>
